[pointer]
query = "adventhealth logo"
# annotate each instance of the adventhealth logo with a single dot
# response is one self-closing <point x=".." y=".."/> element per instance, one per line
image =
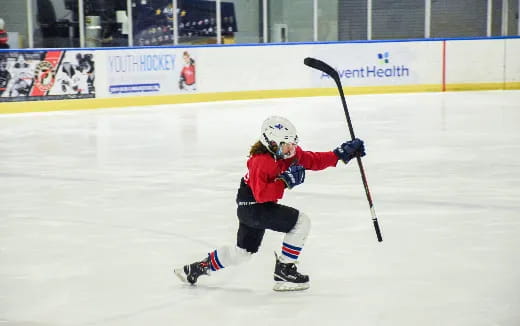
<point x="383" y="57"/>
<point x="383" y="69"/>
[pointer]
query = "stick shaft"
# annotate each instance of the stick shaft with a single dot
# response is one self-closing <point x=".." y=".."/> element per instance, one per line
<point x="360" y="163"/>
<point x="322" y="66"/>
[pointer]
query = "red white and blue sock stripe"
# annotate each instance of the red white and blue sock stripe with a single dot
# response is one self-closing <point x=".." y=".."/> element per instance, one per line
<point x="291" y="251"/>
<point x="214" y="262"/>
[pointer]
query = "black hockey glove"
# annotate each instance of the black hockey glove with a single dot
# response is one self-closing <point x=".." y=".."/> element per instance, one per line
<point x="350" y="149"/>
<point x="294" y="176"/>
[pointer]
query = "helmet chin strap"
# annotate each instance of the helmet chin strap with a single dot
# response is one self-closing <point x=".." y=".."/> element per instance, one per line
<point x="276" y="150"/>
<point x="281" y="156"/>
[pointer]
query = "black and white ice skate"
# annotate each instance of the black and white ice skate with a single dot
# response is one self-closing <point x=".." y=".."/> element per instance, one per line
<point x="190" y="273"/>
<point x="287" y="278"/>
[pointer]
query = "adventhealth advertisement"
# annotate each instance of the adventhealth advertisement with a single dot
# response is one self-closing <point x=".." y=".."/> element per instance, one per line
<point x="376" y="64"/>
<point x="149" y="72"/>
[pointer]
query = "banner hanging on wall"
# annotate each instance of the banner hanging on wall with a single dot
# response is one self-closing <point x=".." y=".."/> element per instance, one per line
<point x="46" y="75"/>
<point x="149" y="72"/>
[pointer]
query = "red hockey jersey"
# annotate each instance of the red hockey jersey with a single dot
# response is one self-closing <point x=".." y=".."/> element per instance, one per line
<point x="3" y="37"/>
<point x="188" y="74"/>
<point x="263" y="170"/>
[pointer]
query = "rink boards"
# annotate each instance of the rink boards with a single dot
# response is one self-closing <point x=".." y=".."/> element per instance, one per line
<point x="71" y="79"/>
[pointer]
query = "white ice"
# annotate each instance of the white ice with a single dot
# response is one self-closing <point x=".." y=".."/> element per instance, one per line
<point x="97" y="207"/>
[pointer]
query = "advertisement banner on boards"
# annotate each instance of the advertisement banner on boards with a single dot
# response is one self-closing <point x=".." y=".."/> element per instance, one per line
<point x="46" y="75"/>
<point x="380" y="64"/>
<point x="149" y="72"/>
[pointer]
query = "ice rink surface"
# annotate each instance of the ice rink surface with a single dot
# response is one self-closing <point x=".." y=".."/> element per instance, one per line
<point x="96" y="207"/>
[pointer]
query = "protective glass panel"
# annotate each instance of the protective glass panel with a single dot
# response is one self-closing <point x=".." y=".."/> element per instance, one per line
<point x="197" y="22"/>
<point x="105" y="23"/>
<point x="328" y="20"/>
<point x="13" y="26"/>
<point x="352" y="20"/>
<point x="290" y="21"/>
<point x="462" y="18"/>
<point x="247" y="15"/>
<point x="55" y="23"/>
<point x="496" y="17"/>
<point x="512" y="21"/>
<point x="153" y="22"/>
<point x="402" y="19"/>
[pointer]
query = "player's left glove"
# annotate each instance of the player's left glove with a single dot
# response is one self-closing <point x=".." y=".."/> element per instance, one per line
<point x="350" y="149"/>
<point x="294" y="176"/>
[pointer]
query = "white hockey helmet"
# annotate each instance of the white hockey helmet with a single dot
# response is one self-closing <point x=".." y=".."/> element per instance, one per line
<point x="277" y="131"/>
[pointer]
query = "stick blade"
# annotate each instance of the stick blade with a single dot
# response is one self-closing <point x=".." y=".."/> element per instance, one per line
<point x="320" y="65"/>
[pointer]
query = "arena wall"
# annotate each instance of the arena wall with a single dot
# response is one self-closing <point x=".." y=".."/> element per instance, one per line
<point x="77" y="79"/>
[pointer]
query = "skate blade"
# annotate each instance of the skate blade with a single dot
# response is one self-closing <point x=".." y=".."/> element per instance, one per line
<point x="288" y="286"/>
<point x="180" y="274"/>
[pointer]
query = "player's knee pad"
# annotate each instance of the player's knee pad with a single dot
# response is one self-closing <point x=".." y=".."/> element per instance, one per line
<point x="303" y="224"/>
<point x="299" y="232"/>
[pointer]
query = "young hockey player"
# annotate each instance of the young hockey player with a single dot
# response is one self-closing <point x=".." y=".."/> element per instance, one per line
<point x="187" y="79"/>
<point x="275" y="163"/>
<point x="4" y="37"/>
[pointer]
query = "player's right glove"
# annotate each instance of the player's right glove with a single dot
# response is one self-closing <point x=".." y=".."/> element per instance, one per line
<point x="294" y="176"/>
<point x="350" y="149"/>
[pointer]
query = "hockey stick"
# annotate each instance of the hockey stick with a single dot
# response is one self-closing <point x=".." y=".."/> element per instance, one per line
<point x="322" y="66"/>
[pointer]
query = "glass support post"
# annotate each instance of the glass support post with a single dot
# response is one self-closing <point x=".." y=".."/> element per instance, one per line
<point x="30" y="27"/>
<point x="427" y="18"/>
<point x="489" y="19"/>
<point x="175" y="23"/>
<point x="369" y="19"/>
<point x="81" y="22"/>
<point x="505" y="11"/>
<point x="219" y="23"/>
<point x="315" y="20"/>
<point x="264" y="21"/>
<point x="130" y="22"/>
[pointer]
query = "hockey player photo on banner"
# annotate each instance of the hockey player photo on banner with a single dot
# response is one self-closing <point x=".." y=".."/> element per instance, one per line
<point x="5" y="75"/>
<point x="17" y="74"/>
<point x="187" y="81"/>
<point x="75" y="75"/>
<point x="46" y="75"/>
